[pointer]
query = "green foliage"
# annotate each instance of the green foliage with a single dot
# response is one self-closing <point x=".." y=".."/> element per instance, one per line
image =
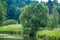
<point x="49" y="34"/>
<point x="50" y="21"/>
<point x="55" y="2"/>
<point x="58" y="10"/>
<point x="34" y="16"/>
<point x="53" y="18"/>
<point x="2" y="14"/>
<point x="10" y="21"/>
<point x="15" y="27"/>
<point x="50" y="6"/>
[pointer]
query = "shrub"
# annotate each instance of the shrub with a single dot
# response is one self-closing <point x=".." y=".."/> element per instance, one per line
<point x="48" y="34"/>
<point x="10" y="21"/>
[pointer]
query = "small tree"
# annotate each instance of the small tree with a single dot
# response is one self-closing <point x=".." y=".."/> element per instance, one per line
<point x="32" y="18"/>
<point x="2" y="14"/>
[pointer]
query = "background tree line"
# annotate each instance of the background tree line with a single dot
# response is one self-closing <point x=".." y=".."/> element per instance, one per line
<point x="11" y="8"/>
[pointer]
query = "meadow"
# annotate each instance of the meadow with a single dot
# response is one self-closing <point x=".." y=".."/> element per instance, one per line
<point x="15" y="32"/>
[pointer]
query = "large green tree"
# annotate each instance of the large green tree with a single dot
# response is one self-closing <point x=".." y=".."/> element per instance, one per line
<point x="32" y="18"/>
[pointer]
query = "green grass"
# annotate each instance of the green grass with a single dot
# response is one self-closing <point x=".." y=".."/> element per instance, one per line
<point x="17" y="35"/>
<point x="15" y="27"/>
<point x="52" y="34"/>
<point x="18" y="27"/>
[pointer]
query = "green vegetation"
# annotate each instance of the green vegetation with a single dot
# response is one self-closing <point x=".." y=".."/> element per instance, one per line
<point x="49" y="34"/>
<point x="30" y="20"/>
<point x="2" y="13"/>
<point x="33" y="16"/>
<point x="13" y="30"/>
<point x="15" y="27"/>
<point x="10" y="22"/>
<point x="41" y="35"/>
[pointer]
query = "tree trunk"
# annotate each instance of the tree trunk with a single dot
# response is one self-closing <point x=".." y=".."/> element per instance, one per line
<point x="32" y="34"/>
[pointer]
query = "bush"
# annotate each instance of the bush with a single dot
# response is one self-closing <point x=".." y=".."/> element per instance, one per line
<point x="48" y="34"/>
<point x="10" y="21"/>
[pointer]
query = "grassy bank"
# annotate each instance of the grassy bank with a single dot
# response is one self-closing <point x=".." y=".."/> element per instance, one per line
<point x="17" y="31"/>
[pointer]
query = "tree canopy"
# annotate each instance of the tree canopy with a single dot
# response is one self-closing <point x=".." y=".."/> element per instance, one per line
<point x="34" y="16"/>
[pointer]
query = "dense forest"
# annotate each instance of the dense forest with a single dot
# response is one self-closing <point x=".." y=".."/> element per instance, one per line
<point x="32" y="15"/>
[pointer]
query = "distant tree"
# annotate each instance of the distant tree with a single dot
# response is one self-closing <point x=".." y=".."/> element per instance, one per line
<point x="53" y="18"/>
<point x="13" y="8"/>
<point x="55" y="2"/>
<point x="50" y="6"/>
<point x="9" y="8"/>
<point x="22" y="3"/>
<point x="55" y="15"/>
<point x="11" y="14"/>
<point x="58" y="10"/>
<point x="33" y="16"/>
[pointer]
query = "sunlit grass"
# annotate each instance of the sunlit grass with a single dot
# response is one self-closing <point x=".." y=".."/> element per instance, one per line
<point x="15" y="27"/>
<point x="49" y="33"/>
<point x="19" y="28"/>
